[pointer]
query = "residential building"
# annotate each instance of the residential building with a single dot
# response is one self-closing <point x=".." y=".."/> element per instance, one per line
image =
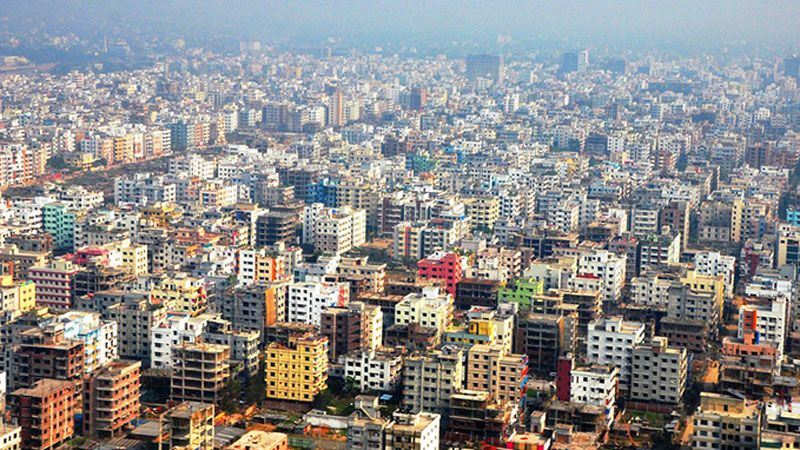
<point x="726" y="422"/>
<point x="333" y="231"/>
<point x="658" y="372"/>
<point x="306" y="302"/>
<point x="611" y="342"/>
<point x="297" y="370"/>
<point x="199" y="372"/>
<point x="191" y="425"/>
<point x="503" y="375"/>
<point x="373" y="370"/>
<point x="442" y="266"/>
<point x="46" y="413"/>
<point x="111" y="399"/>
<point x="414" y="431"/>
<point x="595" y="385"/>
<point x="429" y="379"/>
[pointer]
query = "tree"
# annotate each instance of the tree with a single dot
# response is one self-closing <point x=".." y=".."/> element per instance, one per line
<point x="256" y="387"/>
<point x="229" y="400"/>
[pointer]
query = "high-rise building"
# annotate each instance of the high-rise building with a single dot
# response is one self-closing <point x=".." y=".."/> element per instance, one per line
<point x="574" y="61"/>
<point x="791" y="66"/>
<point x="417" y="98"/>
<point x="485" y="66"/>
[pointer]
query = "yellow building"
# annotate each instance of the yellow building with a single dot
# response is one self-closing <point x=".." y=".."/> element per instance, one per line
<point x="484" y="211"/>
<point x="707" y="284"/>
<point x="297" y="371"/>
<point x="134" y="256"/>
<point x="160" y="214"/>
<point x="479" y="331"/>
<point x="17" y="296"/>
<point x="184" y="295"/>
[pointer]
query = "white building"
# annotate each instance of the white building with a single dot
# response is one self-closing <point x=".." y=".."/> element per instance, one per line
<point x="714" y="264"/>
<point x="334" y="231"/>
<point x="611" y="342"/>
<point x="418" y="431"/>
<point x="373" y="370"/>
<point x="768" y="320"/>
<point x="650" y="291"/>
<point x="595" y="385"/>
<point x="306" y="301"/>
<point x="608" y="267"/>
<point x="174" y="331"/>
<point x="192" y="166"/>
<point x="428" y="308"/>
<point x="658" y="372"/>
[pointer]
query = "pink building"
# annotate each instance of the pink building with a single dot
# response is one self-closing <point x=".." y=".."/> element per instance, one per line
<point x="442" y="266"/>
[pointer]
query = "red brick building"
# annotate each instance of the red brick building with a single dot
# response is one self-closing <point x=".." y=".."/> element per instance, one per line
<point x="111" y="399"/>
<point x="442" y="266"/>
<point x="44" y="353"/>
<point x="45" y="412"/>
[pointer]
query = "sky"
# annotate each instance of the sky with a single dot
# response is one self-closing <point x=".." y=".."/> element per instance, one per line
<point x="441" y="22"/>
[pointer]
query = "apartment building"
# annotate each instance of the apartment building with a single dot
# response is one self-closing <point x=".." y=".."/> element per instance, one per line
<point x="254" y="307"/>
<point x="652" y="290"/>
<point x="373" y="370"/>
<point x="46" y="413"/>
<point x="595" y="385"/>
<point x="244" y="345"/>
<point x="726" y="422"/>
<point x="544" y="337"/>
<point x="521" y="291"/>
<point x="357" y="327"/>
<point x="298" y="369"/>
<point x="483" y="210"/>
<point x="430" y="378"/>
<point x="366" y="429"/>
<point x="199" y="372"/>
<point x="99" y="337"/>
<point x="333" y="231"/>
<point x="306" y="301"/>
<point x="503" y="375"/>
<point x="261" y="440"/>
<point x="413" y="431"/>
<point x="659" y="372"/>
<point x="714" y="264"/>
<point x="429" y="309"/>
<point x="10" y="437"/>
<point x="768" y="319"/>
<point x="136" y="318"/>
<point x="442" y="266"/>
<point x="55" y="284"/>
<point x="611" y="342"/>
<point x="191" y="425"/>
<point x="111" y="399"/>
<point x="609" y="268"/>
<point x="45" y="353"/>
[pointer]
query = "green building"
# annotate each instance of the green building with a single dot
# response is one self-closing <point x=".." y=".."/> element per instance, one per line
<point x="59" y="222"/>
<point x="521" y="291"/>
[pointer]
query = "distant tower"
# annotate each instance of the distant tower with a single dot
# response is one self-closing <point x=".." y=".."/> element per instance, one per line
<point x="575" y="61"/>
<point x="335" y="108"/>
<point x="791" y="66"/>
<point x="418" y="98"/>
<point x="486" y="66"/>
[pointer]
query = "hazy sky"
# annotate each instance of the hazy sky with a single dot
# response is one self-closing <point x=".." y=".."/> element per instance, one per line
<point x="588" y="22"/>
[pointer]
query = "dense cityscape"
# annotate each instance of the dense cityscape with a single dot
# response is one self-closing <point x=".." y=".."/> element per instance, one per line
<point x="269" y="246"/>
